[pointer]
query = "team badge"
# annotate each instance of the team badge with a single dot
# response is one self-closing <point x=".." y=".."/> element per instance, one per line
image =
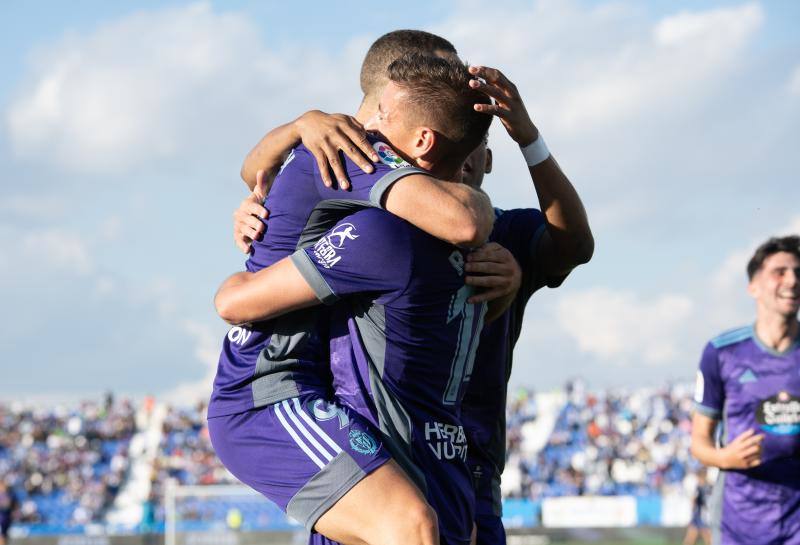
<point x="388" y="156"/>
<point x="362" y="442"/>
<point x="779" y="414"/>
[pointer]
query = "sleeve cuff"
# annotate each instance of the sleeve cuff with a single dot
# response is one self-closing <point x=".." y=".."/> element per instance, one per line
<point x="706" y="411"/>
<point x="311" y="275"/>
<point x="383" y="185"/>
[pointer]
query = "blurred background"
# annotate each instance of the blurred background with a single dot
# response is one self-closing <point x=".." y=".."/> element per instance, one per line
<point x="122" y="130"/>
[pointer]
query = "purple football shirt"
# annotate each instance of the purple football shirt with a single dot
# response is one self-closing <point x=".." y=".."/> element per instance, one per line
<point x="484" y="406"/>
<point x="403" y="344"/>
<point x="266" y="362"/>
<point x="746" y="385"/>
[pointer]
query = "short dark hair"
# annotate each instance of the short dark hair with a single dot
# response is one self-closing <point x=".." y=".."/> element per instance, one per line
<point x="440" y="97"/>
<point x="774" y="245"/>
<point x="395" y="44"/>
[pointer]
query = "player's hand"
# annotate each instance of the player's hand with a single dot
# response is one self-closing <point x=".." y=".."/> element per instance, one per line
<point x="492" y="268"/>
<point x="325" y="134"/>
<point x="247" y="224"/>
<point x="508" y="104"/>
<point x="743" y="452"/>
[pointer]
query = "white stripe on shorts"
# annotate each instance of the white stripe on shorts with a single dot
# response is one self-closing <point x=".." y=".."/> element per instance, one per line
<point x="296" y="438"/>
<point x="307" y="434"/>
<point x="325" y="437"/>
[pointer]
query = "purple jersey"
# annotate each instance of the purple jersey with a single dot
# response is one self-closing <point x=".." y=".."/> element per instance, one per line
<point x="747" y="385"/>
<point x="402" y="347"/>
<point x="266" y="362"/>
<point x="484" y="406"/>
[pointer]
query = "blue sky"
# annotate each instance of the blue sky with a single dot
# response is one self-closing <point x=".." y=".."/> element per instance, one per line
<point x="123" y="126"/>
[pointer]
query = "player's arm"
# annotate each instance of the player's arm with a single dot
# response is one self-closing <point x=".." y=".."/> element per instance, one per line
<point x="493" y="269"/>
<point x="270" y="292"/>
<point x="324" y="135"/>
<point x="741" y="453"/>
<point x="450" y="212"/>
<point x="745" y="450"/>
<point x="568" y="241"/>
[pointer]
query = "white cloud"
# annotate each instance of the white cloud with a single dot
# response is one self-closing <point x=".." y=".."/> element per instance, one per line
<point x="62" y="250"/>
<point x="623" y="328"/>
<point x="207" y="341"/>
<point x="160" y="85"/>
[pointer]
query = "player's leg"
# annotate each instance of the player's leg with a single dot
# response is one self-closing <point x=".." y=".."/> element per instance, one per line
<point x="308" y="455"/>
<point x="384" y="508"/>
<point x="691" y="535"/>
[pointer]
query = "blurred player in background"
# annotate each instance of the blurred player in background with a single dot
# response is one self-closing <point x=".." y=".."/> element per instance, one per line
<point x="698" y="525"/>
<point x="8" y="508"/>
<point x="749" y="382"/>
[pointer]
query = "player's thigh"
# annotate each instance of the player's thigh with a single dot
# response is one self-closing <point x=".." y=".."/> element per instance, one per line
<point x="384" y="507"/>
<point x="302" y="453"/>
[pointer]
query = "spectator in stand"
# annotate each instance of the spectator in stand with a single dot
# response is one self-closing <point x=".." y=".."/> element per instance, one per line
<point x="8" y="508"/>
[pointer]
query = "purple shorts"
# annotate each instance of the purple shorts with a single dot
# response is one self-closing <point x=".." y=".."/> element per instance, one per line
<point x="302" y="453"/>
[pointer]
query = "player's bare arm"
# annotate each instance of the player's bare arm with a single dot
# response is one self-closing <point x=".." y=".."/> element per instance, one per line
<point x="741" y="453"/>
<point x="568" y="241"/>
<point x="324" y="135"/>
<point x="450" y="212"/>
<point x="249" y="297"/>
<point x="493" y="269"/>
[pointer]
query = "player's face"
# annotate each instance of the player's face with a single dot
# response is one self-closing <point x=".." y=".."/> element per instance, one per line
<point x="477" y="164"/>
<point x="776" y="286"/>
<point x="389" y="119"/>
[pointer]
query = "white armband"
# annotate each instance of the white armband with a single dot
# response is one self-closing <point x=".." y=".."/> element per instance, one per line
<point x="535" y="152"/>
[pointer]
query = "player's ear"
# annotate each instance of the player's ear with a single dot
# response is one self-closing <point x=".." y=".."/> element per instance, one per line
<point x="488" y="165"/>
<point x="424" y="141"/>
<point x="752" y="287"/>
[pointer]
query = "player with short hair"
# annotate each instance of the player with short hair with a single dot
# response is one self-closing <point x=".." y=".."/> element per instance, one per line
<point x="270" y="364"/>
<point x="547" y="246"/>
<point x="749" y="383"/>
<point x="402" y="347"/>
<point x="291" y="368"/>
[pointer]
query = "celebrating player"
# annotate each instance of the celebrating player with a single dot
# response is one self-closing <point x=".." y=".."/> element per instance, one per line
<point x="402" y="352"/>
<point x="547" y="246"/>
<point x="749" y="381"/>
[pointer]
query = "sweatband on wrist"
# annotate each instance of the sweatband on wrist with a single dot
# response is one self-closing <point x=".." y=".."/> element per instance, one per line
<point x="535" y="152"/>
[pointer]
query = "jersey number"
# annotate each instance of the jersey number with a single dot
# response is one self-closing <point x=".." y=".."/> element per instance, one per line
<point x="470" y="318"/>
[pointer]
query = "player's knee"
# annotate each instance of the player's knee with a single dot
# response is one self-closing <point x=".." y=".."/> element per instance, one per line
<point x="418" y="524"/>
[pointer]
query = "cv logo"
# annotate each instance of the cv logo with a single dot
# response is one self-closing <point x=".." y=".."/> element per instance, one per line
<point x="361" y="441"/>
<point x="341" y="233"/>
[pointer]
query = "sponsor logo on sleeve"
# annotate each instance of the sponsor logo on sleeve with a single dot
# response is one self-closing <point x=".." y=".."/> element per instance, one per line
<point x="388" y="156"/>
<point x="362" y="442"/>
<point x="779" y="414"/>
<point x="699" y="387"/>
<point x="326" y="249"/>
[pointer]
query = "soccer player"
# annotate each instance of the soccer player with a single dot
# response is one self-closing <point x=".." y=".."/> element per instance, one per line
<point x="749" y="382"/>
<point x="402" y="347"/>
<point x="546" y="246"/>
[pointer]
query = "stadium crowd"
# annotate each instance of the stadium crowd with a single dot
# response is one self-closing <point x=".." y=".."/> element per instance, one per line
<point x="604" y="443"/>
<point x="65" y="465"/>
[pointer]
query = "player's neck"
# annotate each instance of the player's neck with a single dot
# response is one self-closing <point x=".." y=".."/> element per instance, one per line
<point x="776" y="331"/>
